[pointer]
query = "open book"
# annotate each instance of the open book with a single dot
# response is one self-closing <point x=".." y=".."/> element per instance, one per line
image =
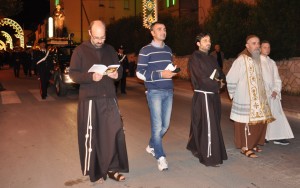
<point x="103" y="69"/>
<point x="173" y="68"/>
<point x="214" y="75"/>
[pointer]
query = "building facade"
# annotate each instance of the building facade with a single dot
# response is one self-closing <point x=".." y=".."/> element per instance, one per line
<point x="79" y="13"/>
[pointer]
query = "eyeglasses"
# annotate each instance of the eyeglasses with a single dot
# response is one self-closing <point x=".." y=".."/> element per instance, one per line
<point x="97" y="38"/>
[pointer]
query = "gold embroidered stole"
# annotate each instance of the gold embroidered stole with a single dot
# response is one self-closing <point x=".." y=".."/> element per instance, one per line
<point x="259" y="108"/>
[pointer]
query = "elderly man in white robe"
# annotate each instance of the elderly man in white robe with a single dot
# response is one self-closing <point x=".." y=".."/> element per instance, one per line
<point x="279" y="130"/>
<point x="250" y="110"/>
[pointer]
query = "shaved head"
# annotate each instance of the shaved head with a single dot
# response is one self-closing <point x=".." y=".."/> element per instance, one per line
<point x="97" y="33"/>
<point x="97" y="23"/>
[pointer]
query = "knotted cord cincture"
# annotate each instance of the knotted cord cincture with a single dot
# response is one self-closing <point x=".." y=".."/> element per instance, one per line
<point x="247" y="130"/>
<point x="208" y="122"/>
<point x="88" y="140"/>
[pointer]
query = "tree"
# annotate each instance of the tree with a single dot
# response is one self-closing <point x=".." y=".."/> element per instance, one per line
<point x="227" y="23"/>
<point x="181" y="33"/>
<point x="278" y="22"/>
<point x="131" y="33"/>
<point x="128" y="32"/>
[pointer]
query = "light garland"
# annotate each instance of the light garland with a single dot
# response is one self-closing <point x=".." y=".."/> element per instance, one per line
<point x="149" y="12"/>
<point x="2" y="45"/>
<point x="16" y="27"/>
<point x="8" y="39"/>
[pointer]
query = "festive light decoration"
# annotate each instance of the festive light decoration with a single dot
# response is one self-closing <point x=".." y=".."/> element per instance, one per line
<point x="149" y="12"/>
<point x="172" y="3"/>
<point x="2" y="45"/>
<point x="8" y="39"/>
<point x="16" y="27"/>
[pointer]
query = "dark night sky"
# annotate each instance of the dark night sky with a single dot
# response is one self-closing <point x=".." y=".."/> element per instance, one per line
<point x="34" y="12"/>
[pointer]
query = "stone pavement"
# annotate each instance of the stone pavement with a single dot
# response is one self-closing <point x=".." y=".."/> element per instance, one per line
<point x="45" y="153"/>
<point x="277" y="166"/>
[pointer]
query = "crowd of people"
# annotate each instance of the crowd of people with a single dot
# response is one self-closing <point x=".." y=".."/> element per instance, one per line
<point x="253" y="84"/>
<point x="18" y="58"/>
<point x="38" y="61"/>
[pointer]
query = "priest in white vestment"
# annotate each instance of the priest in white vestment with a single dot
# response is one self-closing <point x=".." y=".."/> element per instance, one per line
<point x="279" y="130"/>
<point x="250" y="110"/>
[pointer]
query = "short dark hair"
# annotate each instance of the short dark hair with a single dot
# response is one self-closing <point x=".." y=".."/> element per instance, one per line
<point x="265" y="41"/>
<point x="154" y="23"/>
<point x="200" y="36"/>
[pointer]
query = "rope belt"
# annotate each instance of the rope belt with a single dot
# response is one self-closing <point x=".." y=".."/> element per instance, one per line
<point x="247" y="129"/>
<point x="88" y="140"/>
<point x="208" y="121"/>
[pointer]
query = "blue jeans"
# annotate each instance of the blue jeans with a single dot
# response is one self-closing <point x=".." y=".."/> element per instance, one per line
<point x="160" y="106"/>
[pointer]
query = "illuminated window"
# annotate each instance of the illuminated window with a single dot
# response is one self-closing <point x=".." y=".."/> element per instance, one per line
<point x="126" y="4"/>
<point x="170" y="3"/>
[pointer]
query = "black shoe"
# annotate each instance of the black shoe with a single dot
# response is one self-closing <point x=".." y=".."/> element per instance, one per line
<point x="282" y="142"/>
<point x="266" y="141"/>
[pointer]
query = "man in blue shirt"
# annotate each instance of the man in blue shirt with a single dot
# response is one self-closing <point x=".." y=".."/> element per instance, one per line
<point x="153" y="65"/>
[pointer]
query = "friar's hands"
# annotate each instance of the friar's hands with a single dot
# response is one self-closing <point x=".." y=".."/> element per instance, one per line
<point x="274" y="94"/>
<point x="97" y="76"/>
<point x="113" y="75"/>
<point x="222" y="83"/>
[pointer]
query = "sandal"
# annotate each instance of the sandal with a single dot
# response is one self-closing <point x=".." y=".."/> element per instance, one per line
<point x="257" y="149"/>
<point x="116" y="176"/>
<point x="249" y="153"/>
<point x="101" y="180"/>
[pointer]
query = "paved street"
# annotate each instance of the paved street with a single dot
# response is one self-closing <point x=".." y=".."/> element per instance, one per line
<point x="38" y="144"/>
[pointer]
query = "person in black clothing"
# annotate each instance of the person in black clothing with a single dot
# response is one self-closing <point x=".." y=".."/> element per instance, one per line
<point x="131" y="65"/>
<point x="101" y="138"/>
<point x="219" y="55"/>
<point x="27" y="62"/>
<point x="17" y="60"/>
<point x="44" y="60"/>
<point x="123" y="60"/>
<point x="2" y="58"/>
<point x="205" y="138"/>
